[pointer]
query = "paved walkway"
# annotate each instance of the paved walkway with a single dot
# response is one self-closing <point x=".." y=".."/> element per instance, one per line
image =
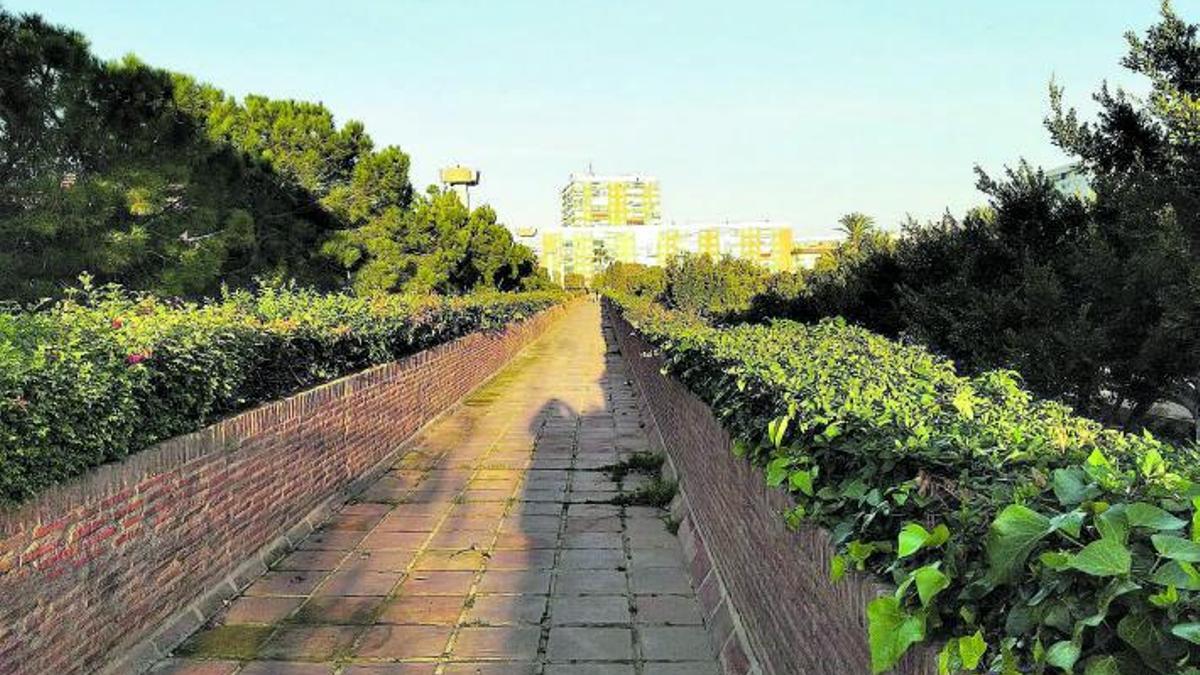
<point x="492" y="547"/>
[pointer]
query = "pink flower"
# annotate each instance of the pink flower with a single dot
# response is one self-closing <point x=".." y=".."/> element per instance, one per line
<point x="118" y="322"/>
<point x="134" y="359"/>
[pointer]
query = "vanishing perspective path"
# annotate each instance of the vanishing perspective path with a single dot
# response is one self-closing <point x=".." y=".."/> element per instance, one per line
<point x="492" y="547"/>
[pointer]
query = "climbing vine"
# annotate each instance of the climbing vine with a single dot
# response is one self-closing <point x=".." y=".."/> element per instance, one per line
<point x="1018" y="536"/>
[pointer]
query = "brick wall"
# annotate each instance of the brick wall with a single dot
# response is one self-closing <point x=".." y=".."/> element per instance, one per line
<point x="90" y="570"/>
<point x="765" y="589"/>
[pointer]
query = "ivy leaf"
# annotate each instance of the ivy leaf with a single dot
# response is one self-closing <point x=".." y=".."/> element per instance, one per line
<point x="1178" y="573"/>
<point x="837" y="568"/>
<point x="1176" y="548"/>
<point x="1114" y="589"/>
<point x="1063" y="655"/>
<point x="964" y="403"/>
<point x="1112" y="524"/>
<point x="1102" y="665"/>
<point x="1165" y="598"/>
<point x="1141" y="514"/>
<point x="971" y="650"/>
<point x="1070" y="522"/>
<point x="1187" y="631"/>
<point x="777" y="471"/>
<point x="1140" y="632"/>
<point x="802" y="480"/>
<point x="1103" y="558"/>
<point x="1071" y="486"/>
<point x="930" y="581"/>
<point x="1151" y="464"/>
<point x="949" y="660"/>
<point x="891" y="631"/>
<point x="1011" y="538"/>
<point x="912" y="538"/>
<point x="776" y="428"/>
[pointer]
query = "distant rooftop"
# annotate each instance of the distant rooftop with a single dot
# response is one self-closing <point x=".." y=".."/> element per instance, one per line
<point x="612" y="178"/>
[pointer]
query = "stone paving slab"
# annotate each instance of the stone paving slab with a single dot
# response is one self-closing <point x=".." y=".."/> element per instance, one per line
<point x="492" y="547"/>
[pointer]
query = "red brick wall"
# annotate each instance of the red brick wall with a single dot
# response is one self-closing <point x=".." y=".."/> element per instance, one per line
<point x="92" y="568"/>
<point x="765" y="589"/>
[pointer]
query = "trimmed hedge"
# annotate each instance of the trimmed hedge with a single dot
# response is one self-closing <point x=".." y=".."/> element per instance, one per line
<point x="106" y="373"/>
<point x="1024" y="537"/>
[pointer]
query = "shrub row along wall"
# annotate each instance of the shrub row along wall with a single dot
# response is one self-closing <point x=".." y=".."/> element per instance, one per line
<point x="772" y="582"/>
<point x="91" y="568"/>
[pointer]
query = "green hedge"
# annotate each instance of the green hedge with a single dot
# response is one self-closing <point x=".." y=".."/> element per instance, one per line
<point x="105" y="373"/>
<point x="1025" y="538"/>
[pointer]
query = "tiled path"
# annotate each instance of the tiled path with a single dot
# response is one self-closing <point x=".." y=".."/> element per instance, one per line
<point x="491" y="547"/>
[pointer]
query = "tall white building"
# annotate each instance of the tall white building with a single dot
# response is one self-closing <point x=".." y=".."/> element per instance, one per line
<point x="629" y="199"/>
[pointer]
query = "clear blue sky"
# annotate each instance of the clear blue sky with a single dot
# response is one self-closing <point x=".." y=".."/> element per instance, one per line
<point x="790" y="110"/>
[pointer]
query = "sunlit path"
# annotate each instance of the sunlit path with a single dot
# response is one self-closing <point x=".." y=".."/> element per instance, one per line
<point x="491" y="547"/>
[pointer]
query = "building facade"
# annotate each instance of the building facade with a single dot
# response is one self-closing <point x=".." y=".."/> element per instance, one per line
<point x="587" y="250"/>
<point x="591" y="200"/>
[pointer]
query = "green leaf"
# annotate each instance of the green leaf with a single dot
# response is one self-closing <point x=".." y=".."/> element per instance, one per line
<point x="1112" y="524"/>
<point x="912" y="538"/>
<point x="964" y="403"/>
<point x="837" y="568"/>
<point x="1011" y="538"/>
<point x="860" y="551"/>
<point x="930" y="581"/>
<point x="1063" y="655"/>
<point x="1102" y="665"/>
<point x="938" y="536"/>
<point x="971" y="650"/>
<point x="1140" y="632"/>
<point x="1187" y="631"/>
<point x="1178" y="573"/>
<point x="777" y="471"/>
<point x="1165" y="598"/>
<point x="1151" y="464"/>
<point x="802" y="481"/>
<point x="1103" y="558"/>
<point x="1195" y="518"/>
<point x="1055" y="560"/>
<point x="1142" y="514"/>
<point x="776" y="429"/>
<point x="1071" y="486"/>
<point x="1070" y="522"/>
<point x="1176" y="548"/>
<point x="890" y="632"/>
<point x="948" y="658"/>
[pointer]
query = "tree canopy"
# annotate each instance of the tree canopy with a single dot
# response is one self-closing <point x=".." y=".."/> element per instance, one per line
<point x="159" y="182"/>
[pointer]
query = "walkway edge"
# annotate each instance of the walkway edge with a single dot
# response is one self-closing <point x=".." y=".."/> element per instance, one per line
<point x="729" y="635"/>
<point x="175" y="630"/>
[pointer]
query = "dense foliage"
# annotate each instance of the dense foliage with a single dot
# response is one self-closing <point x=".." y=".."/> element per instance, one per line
<point x="1094" y="299"/>
<point x="1027" y="538"/>
<point x="104" y="373"/>
<point x="159" y="182"/>
<point x="694" y="283"/>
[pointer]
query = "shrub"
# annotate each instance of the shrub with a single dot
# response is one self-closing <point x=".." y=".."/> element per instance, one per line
<point x="1022" y="535"/>
<point x="633" y="278"/>
<point x="712" y="288"/>
<point x="105" y="373"/>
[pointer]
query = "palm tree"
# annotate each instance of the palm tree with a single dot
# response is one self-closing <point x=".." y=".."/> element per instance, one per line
<point x="856" y="226"/>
